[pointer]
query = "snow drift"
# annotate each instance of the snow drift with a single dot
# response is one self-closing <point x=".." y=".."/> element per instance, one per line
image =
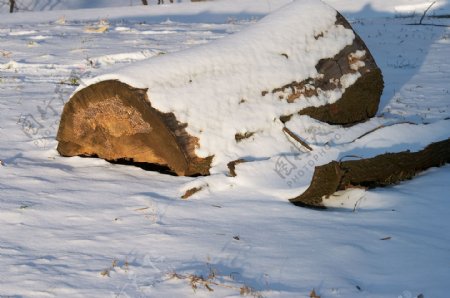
<point x="196" y="110"/>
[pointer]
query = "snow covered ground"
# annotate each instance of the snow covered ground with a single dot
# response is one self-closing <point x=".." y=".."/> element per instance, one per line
<point x="47" y="5"/>
<point x="77" y="227"/>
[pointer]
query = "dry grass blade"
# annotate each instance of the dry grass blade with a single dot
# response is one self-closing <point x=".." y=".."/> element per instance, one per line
<point x="425" y="12"/>
<point x="313" y="294"/>
<point x="296" y="138"/>
<point x="382" y="126"/>
<point x="141" y="209"/>
<point x="99" y="29"/>
<point x="105" y="273"/>
<point x="195" y="281"/>
<point x="242" y="136"/>
<point x="191" y="191"/>
<point x="6" y="54"/>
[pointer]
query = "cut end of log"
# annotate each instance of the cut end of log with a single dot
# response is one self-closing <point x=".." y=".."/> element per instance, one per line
<point x="115" y="121"/>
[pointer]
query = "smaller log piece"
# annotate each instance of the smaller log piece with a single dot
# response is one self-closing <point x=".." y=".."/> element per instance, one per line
<point x="379" y="171"/>
<point x="115" y="121"/>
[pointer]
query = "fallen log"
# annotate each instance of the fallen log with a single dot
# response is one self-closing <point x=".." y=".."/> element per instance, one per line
<point x="195" y="109"/>
<point x="379" y="171"/>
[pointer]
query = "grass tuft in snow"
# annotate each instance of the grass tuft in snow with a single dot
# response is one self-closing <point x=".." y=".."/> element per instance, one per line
<point x="215" y="279"/>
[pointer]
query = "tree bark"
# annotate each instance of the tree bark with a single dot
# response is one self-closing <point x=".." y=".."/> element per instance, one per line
<point x="379" y="171"/>
<point x="359" y="101"/>
<point x="12" y="4"/>
<point x="144" y="2"/>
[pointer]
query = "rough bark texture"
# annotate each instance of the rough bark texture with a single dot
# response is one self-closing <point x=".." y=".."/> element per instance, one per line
<point x="382" y="170"/>
<point x="114" y="121"/>
<point x="359" y="101"/>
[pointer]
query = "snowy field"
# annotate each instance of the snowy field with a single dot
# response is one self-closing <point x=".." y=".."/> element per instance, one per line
<point x="82" y="227"/>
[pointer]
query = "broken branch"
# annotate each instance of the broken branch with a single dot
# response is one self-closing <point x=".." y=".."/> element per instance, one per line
<point x="378" y="171"/>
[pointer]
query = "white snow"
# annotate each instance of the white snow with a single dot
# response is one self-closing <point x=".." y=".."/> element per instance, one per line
<point x="350" y="78"/>
<point x="204" y="86"/>
<point x="223" y="11"/>
<point x="46" y="5"/>
<point x="123" y="57"/>
<point x="78" y="227"/>
<point x="398" y="8"/>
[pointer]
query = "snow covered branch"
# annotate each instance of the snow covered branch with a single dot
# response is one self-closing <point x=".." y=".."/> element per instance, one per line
<point x="381" y="170"/>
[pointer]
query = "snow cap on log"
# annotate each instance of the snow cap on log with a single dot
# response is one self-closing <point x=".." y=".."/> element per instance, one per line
<point x="196" y="110"/>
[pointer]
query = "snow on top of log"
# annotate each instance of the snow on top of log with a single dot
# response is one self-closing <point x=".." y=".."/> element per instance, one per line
<point x="217" y="88"/>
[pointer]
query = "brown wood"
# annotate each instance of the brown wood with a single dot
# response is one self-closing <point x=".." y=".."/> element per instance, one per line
<point x="381" y="170"/>
<point x="114" y="121"/>
<point x="191" y="192"/>
<point x="359" y="101"/>
<point x="232" y="166"/>
<point x="297" y="138"/>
